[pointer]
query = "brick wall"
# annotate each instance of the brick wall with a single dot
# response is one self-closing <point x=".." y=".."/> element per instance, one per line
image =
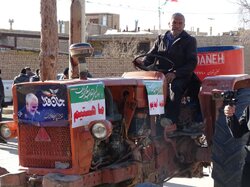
<point x="109" y="67"/>
<point x="11" y="63"/>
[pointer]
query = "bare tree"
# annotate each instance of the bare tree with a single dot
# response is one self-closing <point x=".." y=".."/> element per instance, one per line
<point x="49" y="40"/>
<point x="121" y="48"/>
<point x="244" y="10"/>
<point x="244" y="37"/>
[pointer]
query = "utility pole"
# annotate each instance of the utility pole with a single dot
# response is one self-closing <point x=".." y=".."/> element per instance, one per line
<point x="160" y="11"/>
<point x="159" y="16"/>
<point x="211" y="27"/>
<point x="11" y="21"/>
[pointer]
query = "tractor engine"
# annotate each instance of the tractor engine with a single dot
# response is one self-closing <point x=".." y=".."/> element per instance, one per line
<point x="109" y="151"/>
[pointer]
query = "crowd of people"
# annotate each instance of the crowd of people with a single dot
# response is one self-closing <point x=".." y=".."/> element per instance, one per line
<point x="26" y="75"/>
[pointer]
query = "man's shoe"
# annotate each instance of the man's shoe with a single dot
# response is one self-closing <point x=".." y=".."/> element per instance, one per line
<point x="166" y="122"/>
<point x="201" y="141"/>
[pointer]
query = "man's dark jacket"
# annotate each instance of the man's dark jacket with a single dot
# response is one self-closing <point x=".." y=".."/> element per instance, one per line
<point x="1" y="93"/>
<point x="21" y="78"/>
<point x="183" y="53"/>
<point x="242" y="126"/>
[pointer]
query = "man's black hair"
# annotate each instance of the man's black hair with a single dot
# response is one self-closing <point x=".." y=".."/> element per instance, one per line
<point x="66" y="71"/>
<point x="23" y="71"/>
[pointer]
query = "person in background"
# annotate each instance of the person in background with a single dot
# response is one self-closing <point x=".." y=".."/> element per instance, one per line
<point x="66" y="73"/>
<point x="239" y="128"/>
<point x="181" y="48"/>
<point x="82" y="74"/>
<point x="35" y="77"/>
<point x="22" y="77"/>
<point x="29" y="72"/>
<point x="1" y="97"/>
<point x="85" y="75"/>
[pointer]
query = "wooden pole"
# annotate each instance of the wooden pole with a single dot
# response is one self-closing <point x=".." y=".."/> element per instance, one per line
<point x="49" y="40"/>
<point x="77" y="32"/>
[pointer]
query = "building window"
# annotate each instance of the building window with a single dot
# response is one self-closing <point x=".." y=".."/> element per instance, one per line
<point x="61" y="26"/>
<point x="104" y="21"/>
<point x="93" y="21"/>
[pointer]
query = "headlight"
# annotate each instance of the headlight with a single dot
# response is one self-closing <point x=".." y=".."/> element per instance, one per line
<point x="101" y="129"/>
<point x="5" y="131"/>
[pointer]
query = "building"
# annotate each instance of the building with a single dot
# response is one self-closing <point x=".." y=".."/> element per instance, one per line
<point x="97" y="23"/>
<point x="21" y="48"/>
<point x="110" y="21"/>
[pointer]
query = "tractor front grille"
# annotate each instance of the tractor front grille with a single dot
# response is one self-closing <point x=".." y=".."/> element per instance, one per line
<point x="44" y="154"/>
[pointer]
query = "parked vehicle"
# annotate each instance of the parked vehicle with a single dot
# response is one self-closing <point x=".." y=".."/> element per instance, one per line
<point x="8" y="130"/>
<point x="59" y="76"/>
<point x="8" y="90"/>
<point x="107" y="130"/>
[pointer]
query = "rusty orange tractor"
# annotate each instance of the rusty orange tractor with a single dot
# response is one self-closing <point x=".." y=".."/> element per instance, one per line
<point x="107" y="131"/>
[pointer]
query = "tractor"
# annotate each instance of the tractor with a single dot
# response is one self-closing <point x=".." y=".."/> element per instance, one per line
<point x="107" y="132"/>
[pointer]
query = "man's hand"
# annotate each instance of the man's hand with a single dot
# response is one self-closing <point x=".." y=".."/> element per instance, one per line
<point x="229" y="110"/>
<point x="138" y="62"/>
<point x="170" y="77"/>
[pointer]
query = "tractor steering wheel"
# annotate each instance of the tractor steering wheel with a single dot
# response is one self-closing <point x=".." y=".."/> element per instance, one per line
<point x="154" y="66"/>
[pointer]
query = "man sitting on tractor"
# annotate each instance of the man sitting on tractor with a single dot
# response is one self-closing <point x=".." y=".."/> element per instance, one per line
<point x="181" y="50"/>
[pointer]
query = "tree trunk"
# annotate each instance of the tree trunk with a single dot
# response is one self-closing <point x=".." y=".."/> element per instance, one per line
<point x="49" y="40"/>
<point x="77" y="32"/>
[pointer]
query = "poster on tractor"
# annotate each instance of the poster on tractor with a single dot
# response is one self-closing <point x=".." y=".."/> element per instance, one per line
<point x="155" y="97"/>
<point x="87" y="103"/>
<point x="42" y="105"/>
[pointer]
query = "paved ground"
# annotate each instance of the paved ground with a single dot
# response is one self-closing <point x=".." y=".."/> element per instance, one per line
<point x="9" y="155"/>
<point x="9" y="160"/>
<point x="9" y="152"/>
<point x="192" y="182"/>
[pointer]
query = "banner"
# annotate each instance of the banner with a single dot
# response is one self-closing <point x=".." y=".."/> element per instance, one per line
<point x="155" y="97"/>
<point x="87" y="103"/>
<point x="42" y="105"/>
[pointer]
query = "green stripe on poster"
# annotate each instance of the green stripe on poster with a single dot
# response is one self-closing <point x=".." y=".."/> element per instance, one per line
<point x="154" y="87"/>
<point x="86" y="92"/>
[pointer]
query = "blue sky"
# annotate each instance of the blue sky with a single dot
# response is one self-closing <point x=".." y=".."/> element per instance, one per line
<point x="222" y="15"/>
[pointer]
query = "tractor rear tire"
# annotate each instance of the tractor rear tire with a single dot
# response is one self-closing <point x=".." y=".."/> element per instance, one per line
<point x="228" y="153"/>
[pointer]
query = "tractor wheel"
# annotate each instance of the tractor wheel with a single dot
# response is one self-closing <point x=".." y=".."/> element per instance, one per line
<point x="228" y="153"/>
